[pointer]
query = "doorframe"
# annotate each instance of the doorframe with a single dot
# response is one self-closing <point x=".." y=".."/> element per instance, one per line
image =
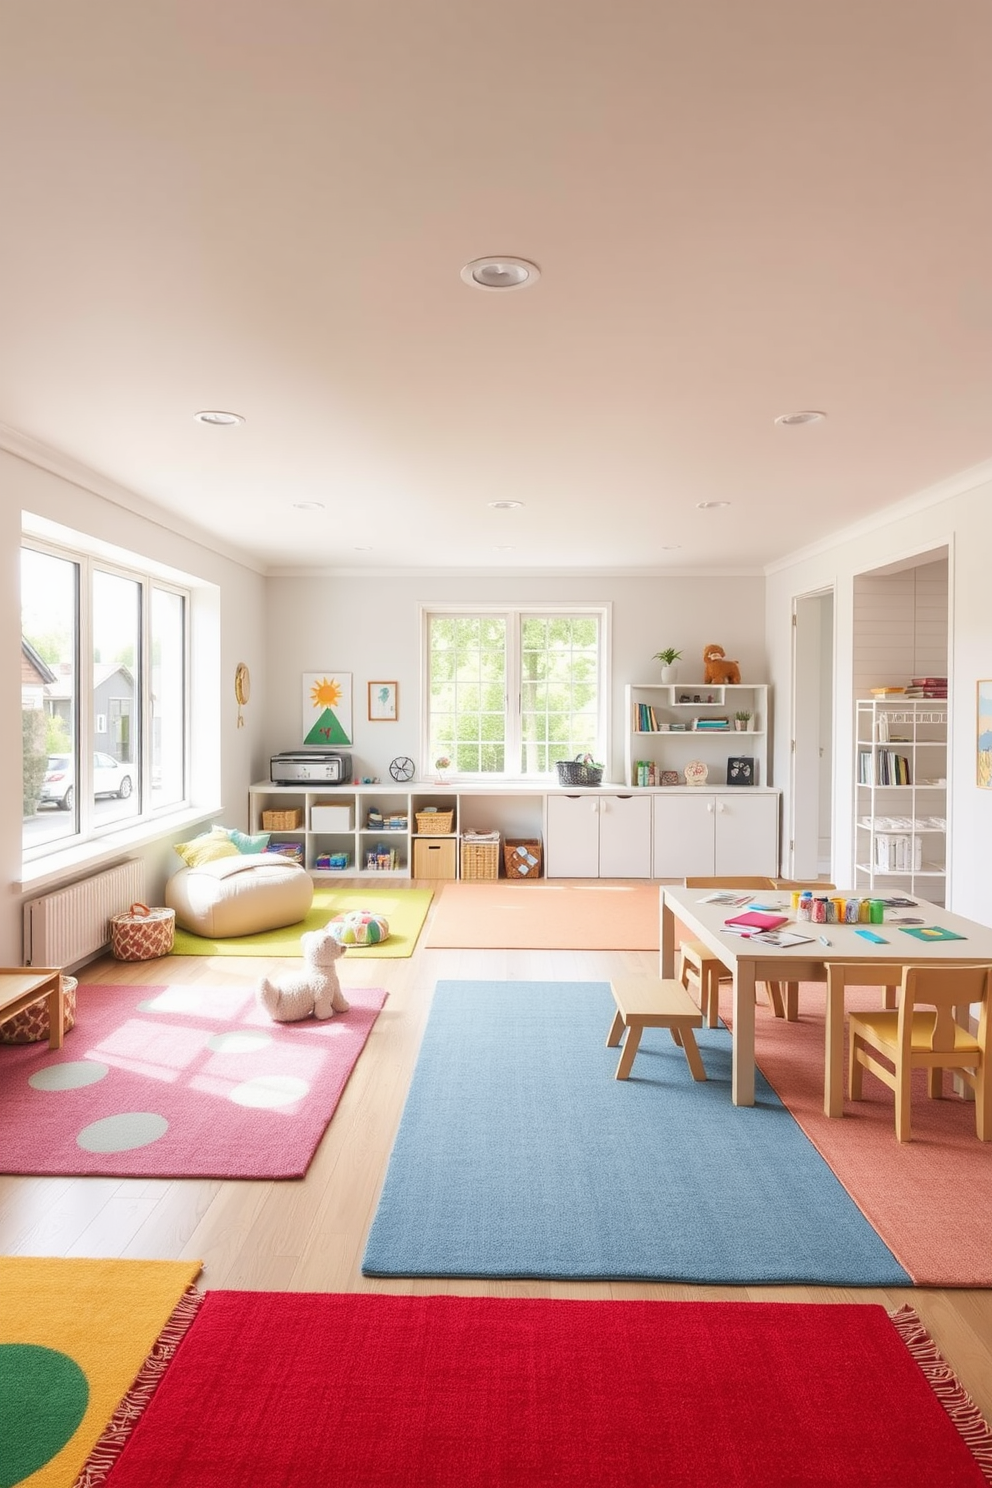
<point x="807" y="768"/>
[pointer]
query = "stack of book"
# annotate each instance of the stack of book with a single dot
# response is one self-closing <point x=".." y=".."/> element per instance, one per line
<point x="927" y="687"/>
<point x="711" y="725"/>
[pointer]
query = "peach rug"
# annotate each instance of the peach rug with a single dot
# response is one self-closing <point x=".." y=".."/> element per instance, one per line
<point x="596" y="916"/>
<point x="930" y="1198"/>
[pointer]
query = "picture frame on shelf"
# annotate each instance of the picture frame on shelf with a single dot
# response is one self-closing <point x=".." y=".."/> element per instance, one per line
<point x="740" y="769"/>
<point x="383" y="702"/>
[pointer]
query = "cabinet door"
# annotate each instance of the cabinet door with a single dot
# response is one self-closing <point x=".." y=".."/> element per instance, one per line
<point x="683" y="835"/>
<point x="625" y="836"/>
<point x="573" y="837"/>
<point x="746" y="834"/>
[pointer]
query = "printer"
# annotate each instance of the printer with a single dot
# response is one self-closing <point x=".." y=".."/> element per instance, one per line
<point x="303" y="766"/>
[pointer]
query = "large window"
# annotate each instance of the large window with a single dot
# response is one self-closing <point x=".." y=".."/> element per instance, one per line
<point x="103" y="696"/>
<point x="511" y="691"/>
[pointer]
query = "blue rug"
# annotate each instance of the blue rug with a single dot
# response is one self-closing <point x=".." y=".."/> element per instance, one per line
<point x="518" y="1154"/>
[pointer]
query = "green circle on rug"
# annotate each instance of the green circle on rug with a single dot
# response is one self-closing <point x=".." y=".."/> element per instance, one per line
<point x="45" y="1395"/>
<point x="245" y="1042"/>
<point x="72" y="1075"/>
<point x="268" y="1091"/>
<point x="123" y="1132"/>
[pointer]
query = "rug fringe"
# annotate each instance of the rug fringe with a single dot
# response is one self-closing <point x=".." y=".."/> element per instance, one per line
<point x="115" y="1434"/>
<point x="971" y="1424"/>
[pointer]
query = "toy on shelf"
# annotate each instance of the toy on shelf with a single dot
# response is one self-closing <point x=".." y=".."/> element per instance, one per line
<point x="717" y="669"/>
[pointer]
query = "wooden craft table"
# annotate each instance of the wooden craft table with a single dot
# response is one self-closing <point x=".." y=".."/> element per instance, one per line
<point x="749" y="962"/>
<point x="20" y="986"/>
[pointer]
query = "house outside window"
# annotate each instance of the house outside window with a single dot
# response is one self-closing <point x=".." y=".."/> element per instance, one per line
<point x="510" y="690"/>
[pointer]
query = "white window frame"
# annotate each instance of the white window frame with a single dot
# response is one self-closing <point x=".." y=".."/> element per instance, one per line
<point x="87" y="561"/>
<point x="514" y="615"/>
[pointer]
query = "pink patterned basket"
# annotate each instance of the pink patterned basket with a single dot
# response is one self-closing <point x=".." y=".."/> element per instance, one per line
<point x="31" y="1024"/>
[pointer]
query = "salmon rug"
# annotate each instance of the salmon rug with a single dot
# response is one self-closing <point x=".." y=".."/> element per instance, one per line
<point x="278" y="1390"/>
<point x="74" y="1335"/>
<point x="178" y="1082"/>
<point x="518" y="1154"/>
<point x="405" y="909"/>
<point x="930" y="1199"/>
<point x="542" y="915"/>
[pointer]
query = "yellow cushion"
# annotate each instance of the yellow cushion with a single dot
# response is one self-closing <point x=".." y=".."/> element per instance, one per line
<point x="885" y="1026"/>
<point x="213" y="844"/>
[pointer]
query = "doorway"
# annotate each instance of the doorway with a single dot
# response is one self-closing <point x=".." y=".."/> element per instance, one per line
<point x="810" y="842"/>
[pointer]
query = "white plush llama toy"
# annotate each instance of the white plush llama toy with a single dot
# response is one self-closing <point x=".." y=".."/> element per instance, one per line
<point x="315" y="989"/>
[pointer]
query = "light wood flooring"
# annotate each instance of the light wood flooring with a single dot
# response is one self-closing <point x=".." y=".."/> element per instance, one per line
<point x="309" y="1234"/>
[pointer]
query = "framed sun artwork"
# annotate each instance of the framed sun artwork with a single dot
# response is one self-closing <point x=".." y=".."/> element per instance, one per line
<point x="326" y="709"/>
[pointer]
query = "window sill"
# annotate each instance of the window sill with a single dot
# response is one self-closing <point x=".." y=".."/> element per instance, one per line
<point x="52" y="869"/>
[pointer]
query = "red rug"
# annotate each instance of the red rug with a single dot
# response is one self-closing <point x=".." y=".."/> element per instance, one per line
<point x="185" y="1081"/>
<point x="929" y="1199"/>
<point x="364" y="1391"/>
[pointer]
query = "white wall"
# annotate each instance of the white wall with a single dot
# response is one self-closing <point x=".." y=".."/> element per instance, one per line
<point x="370" y="627"/>
<point x="237" y="624"/>
<point x="961" y="520"/>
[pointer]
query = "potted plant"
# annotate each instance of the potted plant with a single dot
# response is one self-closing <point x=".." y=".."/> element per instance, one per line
<point x="668" y="658"/>
<point x="741" y="720"/>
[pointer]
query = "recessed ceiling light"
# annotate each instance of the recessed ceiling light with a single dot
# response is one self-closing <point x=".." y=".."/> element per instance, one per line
<point x="504" y="505"/>
<point x="670" y="547"/>
<point x="308" y="505"/>
<point x="804" y="416"/>
<point x="501" y="273"/>
<point x="504" y="548"/>
<point x="217" y="416"/>
<point x="359" y="549"/>
<point x="710" y="505"/>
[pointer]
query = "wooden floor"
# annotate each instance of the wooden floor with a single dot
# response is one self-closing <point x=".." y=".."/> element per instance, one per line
<point x="309" y="1234"/>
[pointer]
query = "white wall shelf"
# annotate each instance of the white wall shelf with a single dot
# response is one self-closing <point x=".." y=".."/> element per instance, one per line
<point x="667" y="727"/>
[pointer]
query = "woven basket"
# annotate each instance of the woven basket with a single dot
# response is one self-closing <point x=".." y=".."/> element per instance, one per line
<point x="522" y="857"/>
<point x="434" y="823"/>
<point x="578" y="772"/>
<point x="281" y="821"/>
<point x="480" y="859"/>
<point x="32" y="1024"/>
<point x="141" y="934"/>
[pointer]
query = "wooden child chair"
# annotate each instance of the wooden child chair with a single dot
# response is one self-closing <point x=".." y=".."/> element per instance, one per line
<point x="933" y="1040"/>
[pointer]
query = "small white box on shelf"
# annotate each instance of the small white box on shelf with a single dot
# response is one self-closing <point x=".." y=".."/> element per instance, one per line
<point x="328" y="818"/>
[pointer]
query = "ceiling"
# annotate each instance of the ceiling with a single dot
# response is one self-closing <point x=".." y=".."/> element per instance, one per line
<point x="739" y="210"/>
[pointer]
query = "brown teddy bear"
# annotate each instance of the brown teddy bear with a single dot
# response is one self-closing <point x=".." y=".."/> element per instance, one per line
<point x="716" y="669"/>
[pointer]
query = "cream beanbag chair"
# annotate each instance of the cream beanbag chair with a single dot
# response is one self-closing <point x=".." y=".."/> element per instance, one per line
<point x="239" y="895"/>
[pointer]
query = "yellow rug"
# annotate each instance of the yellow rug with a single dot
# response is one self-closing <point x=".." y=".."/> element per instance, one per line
<point x="405" y="909"/>
<point x="596" y="916"/>
<point x="74" y="1334"/>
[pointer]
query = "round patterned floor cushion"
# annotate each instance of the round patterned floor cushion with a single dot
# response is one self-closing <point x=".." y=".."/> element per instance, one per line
<point x="30" y="1025"/>
<point x="359" y="927"/>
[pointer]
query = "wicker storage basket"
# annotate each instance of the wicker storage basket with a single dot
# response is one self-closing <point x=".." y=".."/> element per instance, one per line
<point x="522" y="857"/>
<point x="480" y="857"/>
<point x="31" y="1024"/>
<point x="141" y="934"/>
<point x="281" y="821"/>
<point x="434" y="823"/>
<point x="579" y="772"/>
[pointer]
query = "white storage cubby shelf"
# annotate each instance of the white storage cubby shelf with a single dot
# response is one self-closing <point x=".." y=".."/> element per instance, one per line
<point x="667" y="727"/>
<point x="900" y="813"/>
<point x="349" y="832"/>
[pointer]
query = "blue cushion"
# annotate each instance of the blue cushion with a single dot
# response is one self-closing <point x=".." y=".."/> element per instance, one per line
<point x="246" y="844"/>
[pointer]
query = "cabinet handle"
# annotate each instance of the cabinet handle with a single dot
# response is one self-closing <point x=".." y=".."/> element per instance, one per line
<point x="709" y="805"/>
<point x="721" y="807"/>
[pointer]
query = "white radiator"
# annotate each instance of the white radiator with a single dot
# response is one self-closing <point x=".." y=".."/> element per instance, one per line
<point x="71" y="924"/>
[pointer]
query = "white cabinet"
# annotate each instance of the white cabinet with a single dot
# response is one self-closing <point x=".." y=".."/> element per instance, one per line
<point x="699" y="833"/>
<point x="669" y="726"/>
<point x="900" y="819"/>
<point x="598" y="836"/>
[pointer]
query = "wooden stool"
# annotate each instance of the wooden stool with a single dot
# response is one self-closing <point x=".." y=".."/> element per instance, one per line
<point x="652" y="1002"/>
<point x="699" y="965"/>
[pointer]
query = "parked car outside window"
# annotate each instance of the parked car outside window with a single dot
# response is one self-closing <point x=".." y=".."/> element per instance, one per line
<point x="110" y="778"/>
